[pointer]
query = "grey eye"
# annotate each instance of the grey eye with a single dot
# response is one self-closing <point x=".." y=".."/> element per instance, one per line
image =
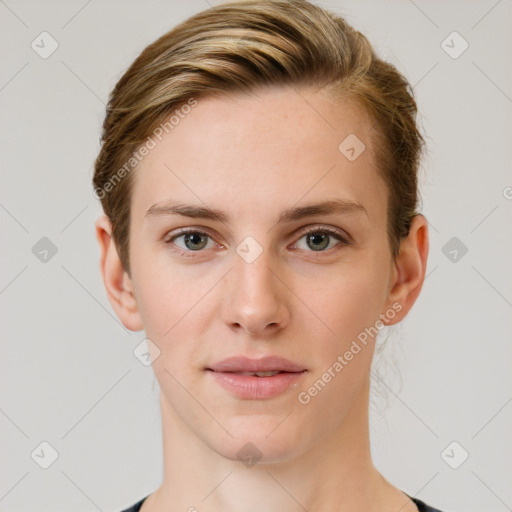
<point x="193" y="241"/>
<point x="319" y="240"/>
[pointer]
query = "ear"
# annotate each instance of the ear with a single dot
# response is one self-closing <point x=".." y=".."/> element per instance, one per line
<point x="409" y="271"/>
<point x="117" y="282"/>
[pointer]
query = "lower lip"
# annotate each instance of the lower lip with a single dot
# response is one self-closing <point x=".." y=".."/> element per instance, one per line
<point x="251" y="387"/>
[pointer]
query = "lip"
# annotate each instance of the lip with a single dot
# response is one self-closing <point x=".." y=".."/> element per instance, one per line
<point x="246" y="364"/>
<point x="251" y="387"/>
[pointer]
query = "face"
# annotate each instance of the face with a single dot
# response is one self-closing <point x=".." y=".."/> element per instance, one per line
<point x="263" y="275"/>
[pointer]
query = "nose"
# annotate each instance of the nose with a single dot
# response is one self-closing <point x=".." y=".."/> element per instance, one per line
<point x="256" y="297"/>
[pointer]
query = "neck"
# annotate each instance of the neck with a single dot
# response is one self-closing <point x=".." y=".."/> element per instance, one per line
<point x="336" y="474"/>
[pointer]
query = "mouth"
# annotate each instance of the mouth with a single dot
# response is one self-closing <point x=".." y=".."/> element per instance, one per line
<point x="246" y="365"/>
<point x="260" y="374"/>
<point x="252" y="379"/>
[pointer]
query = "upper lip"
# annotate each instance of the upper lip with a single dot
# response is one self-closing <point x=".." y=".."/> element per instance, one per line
<point x="265" y="364"/>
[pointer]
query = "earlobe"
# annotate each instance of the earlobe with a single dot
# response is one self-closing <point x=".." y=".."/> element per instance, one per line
<point x="118" y="285"/>
<point x="409" y="269"/>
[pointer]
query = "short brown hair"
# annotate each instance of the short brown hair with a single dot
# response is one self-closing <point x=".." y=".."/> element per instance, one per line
<point x="239" y="46"/>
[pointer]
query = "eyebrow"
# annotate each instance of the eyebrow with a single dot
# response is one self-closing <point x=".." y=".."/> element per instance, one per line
<point x="329" y="207"/>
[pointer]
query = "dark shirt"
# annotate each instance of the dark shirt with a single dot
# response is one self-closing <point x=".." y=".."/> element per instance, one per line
<point x="422" y="507"/>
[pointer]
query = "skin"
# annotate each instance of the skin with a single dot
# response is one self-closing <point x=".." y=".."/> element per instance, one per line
<point x="253" y="156"/>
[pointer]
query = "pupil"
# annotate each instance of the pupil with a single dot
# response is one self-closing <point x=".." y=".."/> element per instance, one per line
<point x="323" y="237"/>
<point x="189" y="237"/>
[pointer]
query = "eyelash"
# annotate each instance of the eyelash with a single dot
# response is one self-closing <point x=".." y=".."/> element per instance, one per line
<point x="169" y="240"/>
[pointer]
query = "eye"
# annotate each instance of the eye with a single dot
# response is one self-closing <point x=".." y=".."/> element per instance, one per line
<point x="192" y="240"/>
<point x="319" y="239"/>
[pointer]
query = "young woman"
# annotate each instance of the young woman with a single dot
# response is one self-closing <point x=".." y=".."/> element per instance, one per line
<point x="258" y="174"/>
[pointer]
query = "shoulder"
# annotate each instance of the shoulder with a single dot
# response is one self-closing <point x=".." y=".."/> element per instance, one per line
<point x="423" y="507"/>
<point x="135" y="507"/>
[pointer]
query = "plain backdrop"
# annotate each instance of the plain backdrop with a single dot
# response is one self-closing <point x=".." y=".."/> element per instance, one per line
<point x="69" y="377"/>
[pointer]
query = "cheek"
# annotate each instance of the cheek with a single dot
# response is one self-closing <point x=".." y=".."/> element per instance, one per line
<point x="349" y="305"/>
<point x="168" y="304"/>
<point x="158" y="301"/>
<point x="351" y="301"/>
<point x="169" y="307"/>
<point x="167" y="293"/>
<point x="177" y="305"/>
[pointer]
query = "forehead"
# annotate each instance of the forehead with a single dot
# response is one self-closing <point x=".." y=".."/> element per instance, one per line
<point x="261" y="152"/>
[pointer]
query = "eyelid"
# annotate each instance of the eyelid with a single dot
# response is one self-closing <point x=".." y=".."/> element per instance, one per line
<point x="343" y="237"/>
<point x="183" y="231"/>
<point x="169" y="237"/>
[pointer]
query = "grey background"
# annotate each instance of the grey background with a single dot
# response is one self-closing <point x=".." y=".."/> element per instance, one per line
<point x="68" y="373"/>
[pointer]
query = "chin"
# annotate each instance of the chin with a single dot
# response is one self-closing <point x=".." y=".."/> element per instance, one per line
<point x="257" y="452"/>
<point x="262" y="440"/>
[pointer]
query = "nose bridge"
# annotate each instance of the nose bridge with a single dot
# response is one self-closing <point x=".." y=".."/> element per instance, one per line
<point x="254" y="273"/>
<point x="255" y="298"/>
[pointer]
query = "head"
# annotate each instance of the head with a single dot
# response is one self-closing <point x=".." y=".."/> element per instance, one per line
<point x="231" y="126"/>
